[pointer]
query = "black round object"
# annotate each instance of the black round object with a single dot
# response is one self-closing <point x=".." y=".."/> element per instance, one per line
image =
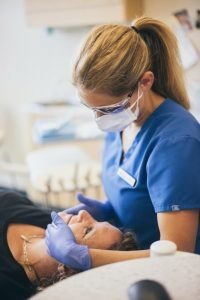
<point x="148" y="290"/>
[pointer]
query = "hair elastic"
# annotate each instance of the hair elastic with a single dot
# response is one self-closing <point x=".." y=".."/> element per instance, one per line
<point x="135" y="28"/>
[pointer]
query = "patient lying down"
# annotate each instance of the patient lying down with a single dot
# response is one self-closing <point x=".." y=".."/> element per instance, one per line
<point x="28" y="266"/>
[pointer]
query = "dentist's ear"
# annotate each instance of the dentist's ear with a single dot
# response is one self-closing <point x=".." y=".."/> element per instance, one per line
<point x="147" y="81"/>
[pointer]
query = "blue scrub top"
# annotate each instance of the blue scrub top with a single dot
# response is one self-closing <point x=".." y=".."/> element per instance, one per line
<point x="164" y="167"/>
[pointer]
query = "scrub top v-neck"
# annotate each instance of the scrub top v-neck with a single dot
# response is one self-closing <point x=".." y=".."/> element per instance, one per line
<point x="158" y="173"/>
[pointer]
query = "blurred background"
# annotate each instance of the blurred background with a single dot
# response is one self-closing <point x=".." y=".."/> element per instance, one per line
<point x="49" y="143"/>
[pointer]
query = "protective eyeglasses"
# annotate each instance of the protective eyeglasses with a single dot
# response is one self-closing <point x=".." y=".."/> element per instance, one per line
<point x="113" y="108"/>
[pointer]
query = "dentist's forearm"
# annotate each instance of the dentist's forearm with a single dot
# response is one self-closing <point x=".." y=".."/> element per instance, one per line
<point x="104" y="257"/>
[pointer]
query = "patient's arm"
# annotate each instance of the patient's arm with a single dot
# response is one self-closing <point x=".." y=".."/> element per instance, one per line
<point x="104" y="257"/>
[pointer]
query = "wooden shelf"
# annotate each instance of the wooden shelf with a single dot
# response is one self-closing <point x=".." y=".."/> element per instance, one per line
<point x="63" y="13"/>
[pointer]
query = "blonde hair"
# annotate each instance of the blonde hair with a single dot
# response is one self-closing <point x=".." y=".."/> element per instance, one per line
<point x="115" y="57"/>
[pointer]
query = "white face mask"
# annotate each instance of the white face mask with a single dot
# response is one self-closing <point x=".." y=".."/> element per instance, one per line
<point x="119" y="121"/>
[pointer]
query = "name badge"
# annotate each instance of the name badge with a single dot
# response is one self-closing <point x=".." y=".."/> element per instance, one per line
<point x="126" y="177"/>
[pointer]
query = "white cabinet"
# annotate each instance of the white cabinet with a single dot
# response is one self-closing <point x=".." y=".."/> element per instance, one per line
<point x="84" y="132"/>
<point x="62" y="13"/>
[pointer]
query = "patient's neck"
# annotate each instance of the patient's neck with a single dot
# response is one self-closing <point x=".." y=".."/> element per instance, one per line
<point x="43" y="264"/>
<point x="35" y="250"/>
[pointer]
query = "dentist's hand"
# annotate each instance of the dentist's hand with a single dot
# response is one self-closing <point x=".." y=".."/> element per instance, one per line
<point x="62" y="245"/>
<point x="100" y="211"/>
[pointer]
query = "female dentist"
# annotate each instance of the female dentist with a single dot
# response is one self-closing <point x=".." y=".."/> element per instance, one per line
<point x="131" y="77"/>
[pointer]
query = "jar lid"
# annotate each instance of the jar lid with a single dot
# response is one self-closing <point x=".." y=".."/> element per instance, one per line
<point x="163" y="247"/>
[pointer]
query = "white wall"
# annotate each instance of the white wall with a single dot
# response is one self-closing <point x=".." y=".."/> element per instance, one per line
<point x="34" y="65"/>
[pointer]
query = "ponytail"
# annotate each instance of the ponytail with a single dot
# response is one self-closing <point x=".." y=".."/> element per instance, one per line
<point x="165" y="59"/>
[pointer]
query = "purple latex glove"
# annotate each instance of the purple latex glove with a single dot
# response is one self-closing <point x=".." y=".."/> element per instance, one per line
<point x="100" y="211"/>
<point x="63" y="247"/>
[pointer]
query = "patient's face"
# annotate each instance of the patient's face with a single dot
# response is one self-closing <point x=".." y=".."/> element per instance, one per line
<point x="87" y="231"/>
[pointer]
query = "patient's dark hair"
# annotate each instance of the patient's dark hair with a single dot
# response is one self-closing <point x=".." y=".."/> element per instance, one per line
<point x="127" y="243"/>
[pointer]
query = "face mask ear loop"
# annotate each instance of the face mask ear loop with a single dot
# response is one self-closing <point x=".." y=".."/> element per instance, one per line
<point x="138" y="96"/>
<point x="95" y="114"/>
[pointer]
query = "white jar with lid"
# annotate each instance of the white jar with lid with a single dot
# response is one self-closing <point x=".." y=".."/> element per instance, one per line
<point x="163" y="248"/>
